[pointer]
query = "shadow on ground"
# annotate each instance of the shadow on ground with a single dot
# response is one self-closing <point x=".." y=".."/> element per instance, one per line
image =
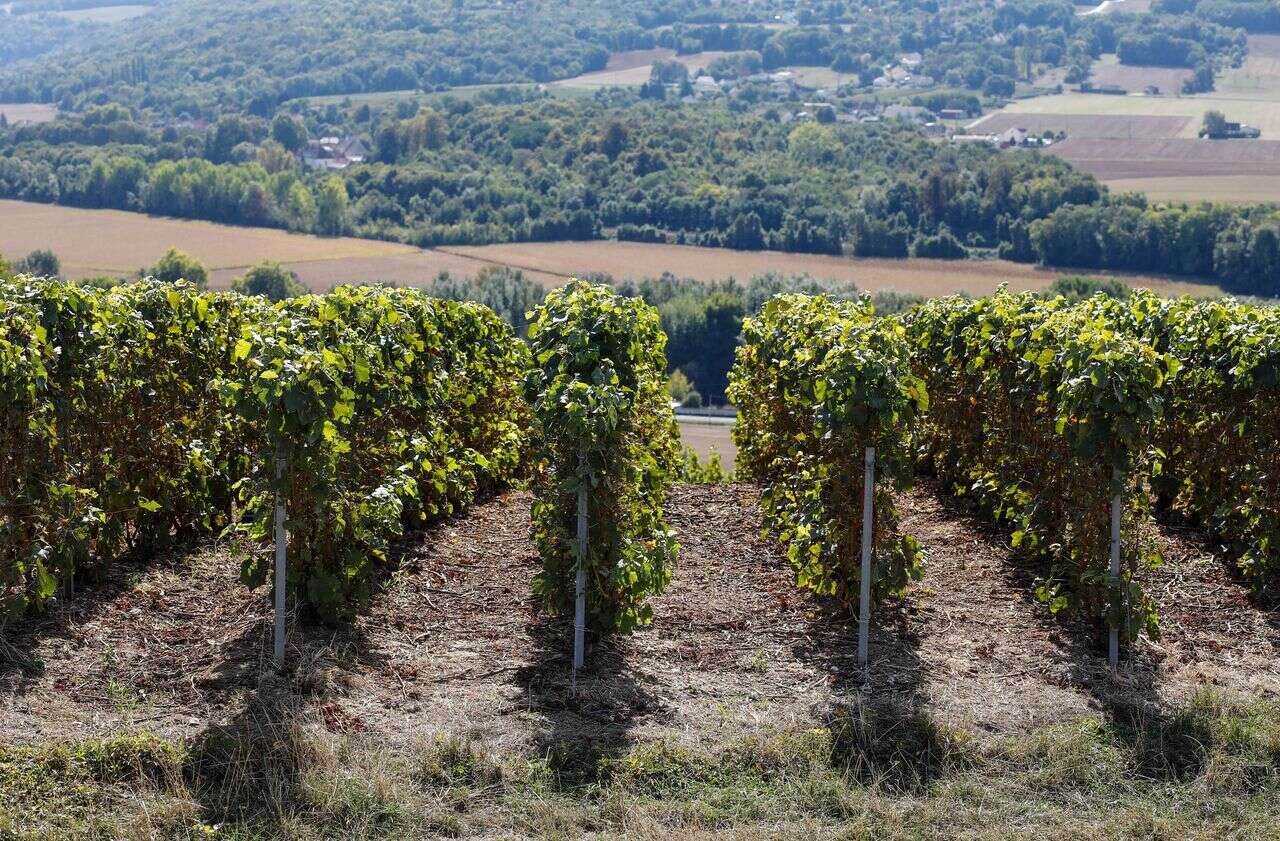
<point x="586" y="723"/>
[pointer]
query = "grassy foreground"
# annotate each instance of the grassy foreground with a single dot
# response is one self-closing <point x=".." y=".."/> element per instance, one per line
<point x="1209" y="770"/>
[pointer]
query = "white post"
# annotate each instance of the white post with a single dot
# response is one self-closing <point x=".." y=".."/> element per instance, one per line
<point x="580" y="587"/>
<point x="1116" y="510"/>
<point x="281" y="572"/>
<point x="868" y="524"/>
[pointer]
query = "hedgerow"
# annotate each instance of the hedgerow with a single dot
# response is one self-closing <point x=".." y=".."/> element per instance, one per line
<point x="153" y="411"/>
<point x="1035" y="406"/>
<point x="816" y="382"/>
<point x="599" y="396"/>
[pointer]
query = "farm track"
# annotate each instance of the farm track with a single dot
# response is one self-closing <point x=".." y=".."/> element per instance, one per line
<point x="454" y="642"/>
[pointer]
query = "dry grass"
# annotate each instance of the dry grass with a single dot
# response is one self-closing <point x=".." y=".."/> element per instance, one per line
<point x="922" y="277"/>
<point x="821" y="77"/>
<point x="111" y="242"/>
<point x="1248" y="94"/>
<point x="1258" y="77"/>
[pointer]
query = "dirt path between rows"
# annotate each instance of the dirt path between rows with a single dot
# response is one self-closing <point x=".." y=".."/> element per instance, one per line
<point x="454" y="642"/>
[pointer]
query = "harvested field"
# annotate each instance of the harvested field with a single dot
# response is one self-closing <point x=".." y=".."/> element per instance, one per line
<point x="633" y="68"/>
<point x="107" y="14"/>
<point x="923" y="277"/>
<point x="1229" y="189"/>
<point x="28" y="112"/>
<point x="1253" y="108"/>
<point x="1082" y="125"/>
<point x="704" y="436"/>
<point x="95" y="242"/>
<point x="455" y="643"/>
<point x="1108" y="70"/>
<point x="112" y="242"/>
<point x="1108" y="159"/>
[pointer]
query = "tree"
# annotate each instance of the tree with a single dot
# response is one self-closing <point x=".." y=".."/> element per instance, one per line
<point x="1215" y="125"/>
<point x="746" y="233"/>
<point x="274" y="157"/>
<point x="300" y="206"/>
<point x="41" y="263"/>
<point x="678" y="386"/>
<point x="177" y="265"/>
<point x="331" y="207"/>
<point x="289" y="131"/>
<point x="270" y="280"/>
<point x="228" y="133"/>
<point x="614" y="140"/>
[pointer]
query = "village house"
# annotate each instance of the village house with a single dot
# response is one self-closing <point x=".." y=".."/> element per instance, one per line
<point x="334" y="152"/>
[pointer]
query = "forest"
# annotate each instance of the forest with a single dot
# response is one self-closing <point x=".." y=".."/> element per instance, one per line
<point x="709" y="175"/>
<point x="187" y="57"/>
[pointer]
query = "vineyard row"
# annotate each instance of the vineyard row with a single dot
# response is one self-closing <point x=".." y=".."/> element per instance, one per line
<point x="140" y="415"/>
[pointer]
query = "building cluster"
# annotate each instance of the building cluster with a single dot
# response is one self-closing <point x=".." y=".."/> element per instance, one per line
<point x="333" y="153"/>
<point x="933" y="124"/>
<point x="903" y="73"/>
<point x="781" y="84"/>
<point x="1011" y="138"/>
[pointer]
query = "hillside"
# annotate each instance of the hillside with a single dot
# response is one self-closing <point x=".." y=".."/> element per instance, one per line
<point x="737" y="656"/>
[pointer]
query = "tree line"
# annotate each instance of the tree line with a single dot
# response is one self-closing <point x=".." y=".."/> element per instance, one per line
<point x="663" y="172"/>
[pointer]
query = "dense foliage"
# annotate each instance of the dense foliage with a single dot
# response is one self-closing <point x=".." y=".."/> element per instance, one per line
<point x="389" y="408"/>
<point x="816" y="382"/>
<point x="1251" y="15"/>
<point x="1221" y="426"/>
<point x="1040" y="412"/>
<point x="546" y="170"/>
<point x="604" y="422"/>
<point x="112" y="440"/>
<point x="188" y="56"/>
<point x="1239" y="247"/>
<point x="149" y="412"/>
<point x="661" y="172"/>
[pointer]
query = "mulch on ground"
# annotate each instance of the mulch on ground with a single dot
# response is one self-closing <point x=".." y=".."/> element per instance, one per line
<point x="454" y="641"/>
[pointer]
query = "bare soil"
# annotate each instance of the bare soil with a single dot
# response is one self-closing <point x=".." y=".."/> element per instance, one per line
<point x="455" y="642"/>
<point x="1171" y="157"/>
